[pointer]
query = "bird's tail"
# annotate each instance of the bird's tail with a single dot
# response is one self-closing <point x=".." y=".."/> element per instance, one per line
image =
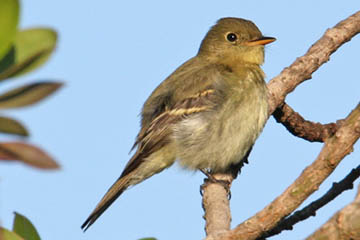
<point x="112" y="194"/>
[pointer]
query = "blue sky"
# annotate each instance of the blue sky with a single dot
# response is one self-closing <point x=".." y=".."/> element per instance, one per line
<point x="111" y="55"/>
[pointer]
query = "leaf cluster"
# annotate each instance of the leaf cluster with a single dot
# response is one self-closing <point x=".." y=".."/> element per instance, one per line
<point x="21" y="52"/>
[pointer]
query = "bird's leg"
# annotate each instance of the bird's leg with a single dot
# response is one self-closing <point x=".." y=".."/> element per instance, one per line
<point x="208" y="175"/>
<point x="211" y="179"/>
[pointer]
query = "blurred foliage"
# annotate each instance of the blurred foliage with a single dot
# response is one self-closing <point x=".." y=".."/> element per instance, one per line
<point x="23" y="229"/>
<point x="9" y="18"/>
<point x="22" y="51"/>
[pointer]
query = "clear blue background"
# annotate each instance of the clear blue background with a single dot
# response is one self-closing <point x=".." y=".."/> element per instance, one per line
<point x="111" y="55"/>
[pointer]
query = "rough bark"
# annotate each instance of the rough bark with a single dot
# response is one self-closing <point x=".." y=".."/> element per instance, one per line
<point x="310" y="210"/>
<point x="216" y="202"/>
<point x="344" y="225"/>
<point x="298" y="126"/>
<point x="318" y="54"/>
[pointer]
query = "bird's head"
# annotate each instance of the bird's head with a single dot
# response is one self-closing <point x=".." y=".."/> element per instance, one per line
<point x="234" y="40"/>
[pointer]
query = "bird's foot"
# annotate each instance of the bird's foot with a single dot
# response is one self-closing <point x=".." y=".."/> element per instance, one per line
<point x="210" y="179"/>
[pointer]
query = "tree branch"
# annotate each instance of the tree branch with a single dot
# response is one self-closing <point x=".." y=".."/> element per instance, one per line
<point x="298" y="126"/>
<point x="310" y="210"/>
<point x="344" y="225"/>
<point x="318" y="54"/>
<point x="216" y="205"/>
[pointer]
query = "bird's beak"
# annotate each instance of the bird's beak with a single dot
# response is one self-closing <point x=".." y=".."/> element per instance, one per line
<point x="260" y="41"/>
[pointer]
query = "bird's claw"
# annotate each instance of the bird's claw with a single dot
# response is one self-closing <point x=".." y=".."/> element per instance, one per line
<point x="223" y="183"/>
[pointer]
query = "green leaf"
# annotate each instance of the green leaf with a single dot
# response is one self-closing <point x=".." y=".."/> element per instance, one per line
<point x="28" y="94"/>
<point x="6" y="62"/>
<point x="23" y="227"/>
<point x="31" y="49"/>
<point x="8" y="68"/>
<point x="7" y="235"/>
<point x="28" y="154"/>
<point x="148" y="238"/>
<point x="9" y="18"/>
<point x="11" y="126"/>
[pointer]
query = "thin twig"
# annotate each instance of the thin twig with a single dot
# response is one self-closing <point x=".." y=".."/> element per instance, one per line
<point x="344" y="225"/>
<point x="310" y="210"/>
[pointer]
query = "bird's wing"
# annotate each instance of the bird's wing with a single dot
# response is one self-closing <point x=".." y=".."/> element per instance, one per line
<point x="157" y="133"/>
<point x="151" y="139"/>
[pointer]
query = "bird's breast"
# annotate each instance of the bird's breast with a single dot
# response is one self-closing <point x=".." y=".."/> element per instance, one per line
<point x="221" y="137"/>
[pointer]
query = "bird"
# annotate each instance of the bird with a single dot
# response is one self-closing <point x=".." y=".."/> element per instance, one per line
<point x="206" y="115"/>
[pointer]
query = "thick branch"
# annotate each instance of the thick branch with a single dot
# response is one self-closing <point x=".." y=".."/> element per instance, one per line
<point x="317" y="55"/>
<point x="310" y="210"/>
<point x="216" y="205"/>
<point x="344" y="225"/>
<point x="334" y="150"/>
<point x="298" y="126"/>
<point x="216" y="200"/>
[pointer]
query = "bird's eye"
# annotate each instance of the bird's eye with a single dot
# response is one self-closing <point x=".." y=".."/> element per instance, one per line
<point x="231" y="37"/>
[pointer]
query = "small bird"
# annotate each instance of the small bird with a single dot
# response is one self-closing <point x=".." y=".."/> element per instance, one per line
<point x="206" y="115"/>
